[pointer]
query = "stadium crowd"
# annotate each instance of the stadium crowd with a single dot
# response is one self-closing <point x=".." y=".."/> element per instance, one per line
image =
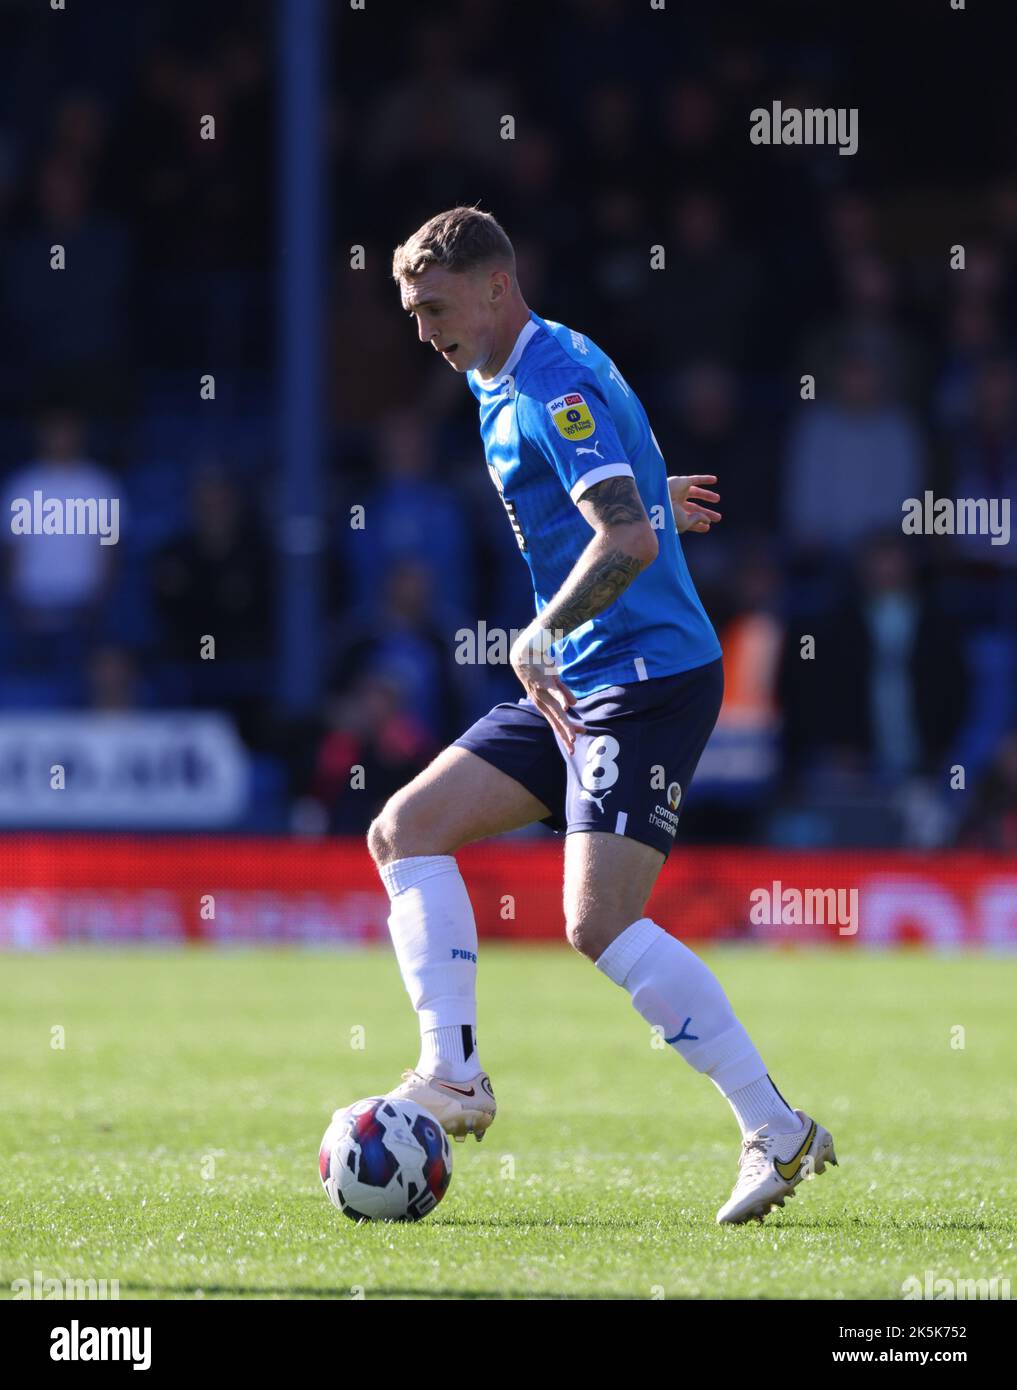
<point x="776" y="264"/>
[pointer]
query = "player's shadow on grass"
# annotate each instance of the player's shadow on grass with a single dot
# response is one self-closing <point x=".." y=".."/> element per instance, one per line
<point x="522" y="1223"/>
<point x="840" y="1224"/>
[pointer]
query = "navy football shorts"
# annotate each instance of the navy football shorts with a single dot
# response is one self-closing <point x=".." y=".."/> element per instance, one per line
<point x="629" y="774"/>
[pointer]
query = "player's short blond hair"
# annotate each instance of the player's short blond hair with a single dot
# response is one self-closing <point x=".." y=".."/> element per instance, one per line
<point x="457" y="240"/>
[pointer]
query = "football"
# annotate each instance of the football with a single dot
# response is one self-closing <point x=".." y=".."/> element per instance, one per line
<point x="385" y="1160"/>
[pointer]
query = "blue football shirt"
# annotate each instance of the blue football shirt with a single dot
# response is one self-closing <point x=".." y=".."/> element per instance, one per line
<point x="558" y="418"/>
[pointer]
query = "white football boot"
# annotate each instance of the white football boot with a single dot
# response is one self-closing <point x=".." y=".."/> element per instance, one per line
<point x="460" y="1107"/>
<point x="770" y="1167"/>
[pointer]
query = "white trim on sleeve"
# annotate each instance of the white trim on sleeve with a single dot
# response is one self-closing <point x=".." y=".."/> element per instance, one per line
<point x="597" y="475"/>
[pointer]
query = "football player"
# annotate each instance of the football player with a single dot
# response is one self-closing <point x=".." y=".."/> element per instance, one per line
<point x="622" y="679"/>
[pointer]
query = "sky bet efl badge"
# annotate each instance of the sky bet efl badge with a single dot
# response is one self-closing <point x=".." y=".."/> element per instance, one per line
<point x="572" y="416"/>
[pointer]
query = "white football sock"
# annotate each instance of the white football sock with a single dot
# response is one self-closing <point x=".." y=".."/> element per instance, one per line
<point x="760" y="1103"/>
<point x="678" y="993"/>
<point x="435" y="938"/>
<point x="449" y="1052"/>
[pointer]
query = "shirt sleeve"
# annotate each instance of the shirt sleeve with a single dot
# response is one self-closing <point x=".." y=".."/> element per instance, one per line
<point x="574" y="431"/>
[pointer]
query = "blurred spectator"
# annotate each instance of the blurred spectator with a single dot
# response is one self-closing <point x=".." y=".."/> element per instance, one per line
<point x="706" y="291"/>
<point x="402" y="632"/>
<point x="709" y="434"/>
<point x="885" y="692"/>
<point x="113" y="680"/>
<point x="974" y="335"/>
<point x="612" y="147"/>
<point x="739" y="773"/>
<point x="986" y="273"/>
<point x="616" y="274"/>
<point x="852" y="461"/>
<point x="867" y="326"/>
<point x="374" y="745"/>
<point x="1003" y="211"/>
<point x="55" y="584"/>
<point x="696" y="138"/>
<point x="372" y="344"/>
<point x="174" y="167"/>
<point x="1003" y="222"/>
<point x="217" y="580"/>
<point x="981" y="587"/>
<point x="69" y="322"/>
<point x="852" y="226"/>
<point x="202" y="279"/>
<point x="985" y="455"/>
<point x="992" y="821"/>
<point x="410" y="514"/>
<point x="753" y="641"/>
<point x="435" y="109"/>
<point x="80" y="130"/>
<point x="547" y="217"/>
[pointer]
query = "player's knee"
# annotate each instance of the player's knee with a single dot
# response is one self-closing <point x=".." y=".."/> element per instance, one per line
<point x="403" y="828"/>
<point x="378" y="843"/>
<point x="387" y="835"/>
<point x="589" y="935"/>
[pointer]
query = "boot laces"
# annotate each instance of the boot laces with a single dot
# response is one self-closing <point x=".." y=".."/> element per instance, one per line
<point x="755" y="1158"/>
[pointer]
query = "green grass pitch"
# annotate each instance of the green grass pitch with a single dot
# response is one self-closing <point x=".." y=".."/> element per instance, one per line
<point x="172" y="1142"/>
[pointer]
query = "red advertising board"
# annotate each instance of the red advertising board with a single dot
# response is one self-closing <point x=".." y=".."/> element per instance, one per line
<point x="221" y="891"/>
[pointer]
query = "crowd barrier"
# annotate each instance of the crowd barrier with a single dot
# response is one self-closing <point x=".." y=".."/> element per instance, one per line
<point x="117" y="889"/>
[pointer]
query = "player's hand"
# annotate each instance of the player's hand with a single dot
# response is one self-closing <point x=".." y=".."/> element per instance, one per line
<point x="540" y="679"/>
<point x="688" y="515"/>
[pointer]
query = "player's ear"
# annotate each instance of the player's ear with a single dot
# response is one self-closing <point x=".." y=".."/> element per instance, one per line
<point x="499" y="285"/>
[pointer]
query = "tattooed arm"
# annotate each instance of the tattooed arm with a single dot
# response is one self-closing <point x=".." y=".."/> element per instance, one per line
<point x="623" y="545"/>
